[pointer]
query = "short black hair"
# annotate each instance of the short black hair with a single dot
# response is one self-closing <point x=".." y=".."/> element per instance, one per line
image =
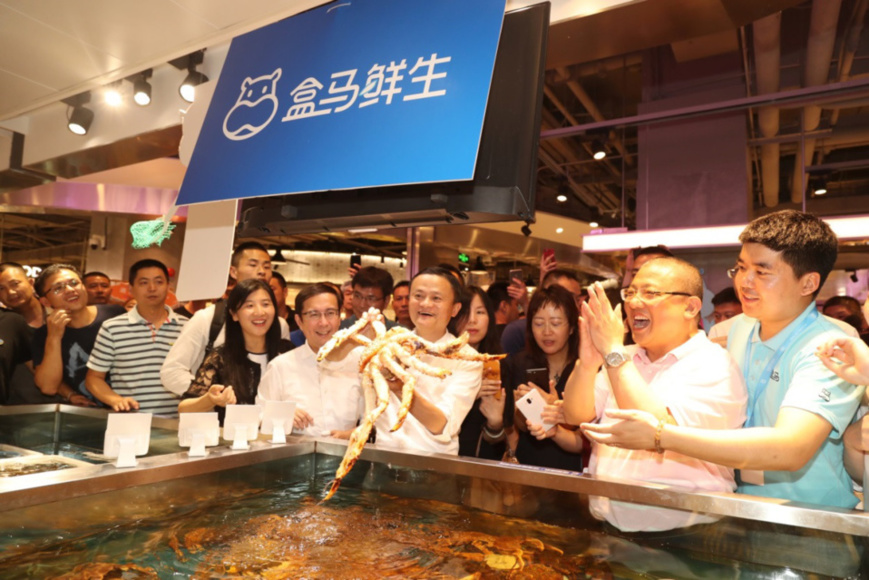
<point x="240" y="249"/>
<point x="852" y="304"/>
<point x="806" y="242"/>
<point x="314" y="290"/>
<point x="447" y="275"/>
<point x="50" y="271"/>
<point x="146" y="263"/>
<point x="12" y="266"/>
<point x="726" y="296"/>
<point x="282" y="282"/>
<point x="497" y="293"/>
<point x="557" y="274"/>
<point x="455" y="271"/>
<point x="374" y="277"/>
<point x="96" y="274"/>
<point x="401" y="284"/>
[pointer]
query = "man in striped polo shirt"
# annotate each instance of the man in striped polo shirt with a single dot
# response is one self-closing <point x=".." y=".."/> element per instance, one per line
<point x="132" y="347"/>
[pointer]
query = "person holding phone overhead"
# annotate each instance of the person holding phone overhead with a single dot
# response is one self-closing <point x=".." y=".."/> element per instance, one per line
<point x="550" y="354"/>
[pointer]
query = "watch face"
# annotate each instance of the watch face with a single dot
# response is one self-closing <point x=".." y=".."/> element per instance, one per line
<point x="615" y="359"/>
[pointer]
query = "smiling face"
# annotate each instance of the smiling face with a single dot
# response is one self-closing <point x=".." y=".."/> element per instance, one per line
<point x="661" y="324"/>
<point x="432" y="305"/>
<point x="149" y="288"/>
<point x="478" y="322"/>
<point x="15" y="289"/>
<point x="769" y="290"/>
<point x="256" y="313"/>
<point x="65" y="291"/>
<point x="551" y="329"/>
<point x="319" y="319"/>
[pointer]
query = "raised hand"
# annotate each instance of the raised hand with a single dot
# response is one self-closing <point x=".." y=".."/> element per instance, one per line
<point x="848" y="357"/>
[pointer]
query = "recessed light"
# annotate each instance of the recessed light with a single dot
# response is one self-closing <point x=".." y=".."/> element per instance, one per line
<point x="593" y="224"/>
<point x="561" y="198"/>
<point x="559" y="230"/>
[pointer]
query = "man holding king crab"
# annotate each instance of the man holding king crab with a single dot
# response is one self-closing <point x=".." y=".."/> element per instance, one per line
<point x="419" y="385"/>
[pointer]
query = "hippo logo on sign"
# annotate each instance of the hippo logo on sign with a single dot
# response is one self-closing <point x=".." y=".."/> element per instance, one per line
<point x="255" y="108"/>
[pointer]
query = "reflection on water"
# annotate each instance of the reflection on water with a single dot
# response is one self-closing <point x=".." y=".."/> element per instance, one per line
<point x="265" y="521"/>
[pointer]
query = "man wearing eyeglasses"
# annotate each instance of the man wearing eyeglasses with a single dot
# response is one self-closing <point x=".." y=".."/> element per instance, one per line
<point x="372" y="288"/>
<point x="673" y="372"/>
<point x="62" y="346"/>
<point x="791" y="445"/>
<point x="328" y="396"/>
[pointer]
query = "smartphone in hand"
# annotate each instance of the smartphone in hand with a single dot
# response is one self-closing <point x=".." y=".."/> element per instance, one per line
<point x="355" y="260"/>
<point x="548" y="253"/>
<point x="531" y="406"/>
<point x="516" y="274"/>
<point x="539" y="377"/>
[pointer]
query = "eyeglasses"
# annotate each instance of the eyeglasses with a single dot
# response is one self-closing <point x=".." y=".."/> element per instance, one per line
<point x="731" y="272"/>
<point x="59" y="288"/>
<point x="370" y="299"/>
<point x="317" y="315"/>
<point x="646" y="295"/>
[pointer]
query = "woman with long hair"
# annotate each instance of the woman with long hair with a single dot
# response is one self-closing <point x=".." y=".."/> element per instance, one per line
<point x="231" y="373"/>
<point x="482" y="433"/>
<point x="552" y="344"/>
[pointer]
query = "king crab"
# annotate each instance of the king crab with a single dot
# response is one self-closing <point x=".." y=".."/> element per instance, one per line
<point x="389" y="355"/>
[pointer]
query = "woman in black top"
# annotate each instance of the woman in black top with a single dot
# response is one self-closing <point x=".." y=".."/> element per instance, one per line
<point x="231" y="373"/>
<point x="482" y="432"/>
<point x="552" y="342"/>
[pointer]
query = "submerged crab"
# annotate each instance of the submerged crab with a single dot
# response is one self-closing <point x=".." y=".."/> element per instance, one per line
<point x="390" y="354"/>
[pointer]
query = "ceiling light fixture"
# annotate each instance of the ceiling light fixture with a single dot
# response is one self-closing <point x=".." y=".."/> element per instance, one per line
<point x="194" y="77"/>
<point x="526" y="229"/>
<point x="142" y="88"/>
<point x="598" y="151"/>
<point x="593" y="225"/>
<point x="112" y="94"/>
<point x="561" y="198"/>
<point x="278" y="257"/>
<point x="80" y="118"/>
<point x="821" y="188"/>
<point x="559" y="230"/>
<point x="704" y="237"/>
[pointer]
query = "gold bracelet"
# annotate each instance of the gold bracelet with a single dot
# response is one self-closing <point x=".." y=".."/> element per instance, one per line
<point x="658" y="430"/>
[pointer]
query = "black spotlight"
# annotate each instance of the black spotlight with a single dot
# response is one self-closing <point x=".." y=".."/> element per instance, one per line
<point x="194" y="77"/>
<point x="80" y="119"/>
<point x="142" y="88"/>
<point x="598" y="151"/>
<point x="526" y="229"/>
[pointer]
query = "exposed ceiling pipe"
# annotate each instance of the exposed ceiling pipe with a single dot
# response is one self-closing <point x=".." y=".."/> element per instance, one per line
<point x="819" y="55"/>
<point x="595" y="113"/>
<point x="846" y="60"/>
<point x="767" y="61"/>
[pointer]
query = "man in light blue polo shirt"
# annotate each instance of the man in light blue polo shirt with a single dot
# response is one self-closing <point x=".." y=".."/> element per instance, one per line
<point x="798" y="410"/>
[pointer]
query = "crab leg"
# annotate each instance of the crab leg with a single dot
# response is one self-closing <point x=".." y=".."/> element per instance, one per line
<point x="339" y="337"/>
<point x="387" y="359"/>
<point x="360" y="435"/>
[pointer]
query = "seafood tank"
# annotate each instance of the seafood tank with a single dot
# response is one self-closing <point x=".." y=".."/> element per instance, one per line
<point x="260" y="514"/>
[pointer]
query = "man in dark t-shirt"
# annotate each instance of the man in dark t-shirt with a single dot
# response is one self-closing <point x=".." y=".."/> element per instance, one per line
<point x="61" y="348"/>
<point x="14" y="351"/>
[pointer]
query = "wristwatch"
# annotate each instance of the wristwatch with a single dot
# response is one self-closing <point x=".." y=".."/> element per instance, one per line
<point x="616" y="358"/>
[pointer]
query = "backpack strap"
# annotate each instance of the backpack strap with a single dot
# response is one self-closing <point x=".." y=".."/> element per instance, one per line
<point x="216" y="324"/>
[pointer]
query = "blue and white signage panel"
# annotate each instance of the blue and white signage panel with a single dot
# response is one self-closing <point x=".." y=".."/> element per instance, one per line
<point x="353" y="94"/>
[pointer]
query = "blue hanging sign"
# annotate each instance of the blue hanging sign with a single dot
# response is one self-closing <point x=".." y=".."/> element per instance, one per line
<point x="353" y="94"/>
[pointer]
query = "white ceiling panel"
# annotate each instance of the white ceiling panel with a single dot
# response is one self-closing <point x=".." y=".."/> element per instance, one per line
<point x="14" y="89"/>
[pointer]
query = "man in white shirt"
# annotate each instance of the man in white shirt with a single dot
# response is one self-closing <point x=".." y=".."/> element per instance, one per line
<point x="439" y="405"/>
<point x="328" y="396"/>
<point x="249" y="260"/>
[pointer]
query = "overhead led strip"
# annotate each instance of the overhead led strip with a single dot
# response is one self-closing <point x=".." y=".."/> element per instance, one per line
<point x="705" y="237"/>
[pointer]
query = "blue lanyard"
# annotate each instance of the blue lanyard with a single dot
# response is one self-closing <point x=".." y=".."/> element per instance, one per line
<point x="754" y="395"/>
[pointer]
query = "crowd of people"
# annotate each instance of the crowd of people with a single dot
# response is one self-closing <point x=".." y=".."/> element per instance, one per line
<point x="767" y="404"/>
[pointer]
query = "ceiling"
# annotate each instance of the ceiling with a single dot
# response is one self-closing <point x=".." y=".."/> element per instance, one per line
<point x="602" y="60"/>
